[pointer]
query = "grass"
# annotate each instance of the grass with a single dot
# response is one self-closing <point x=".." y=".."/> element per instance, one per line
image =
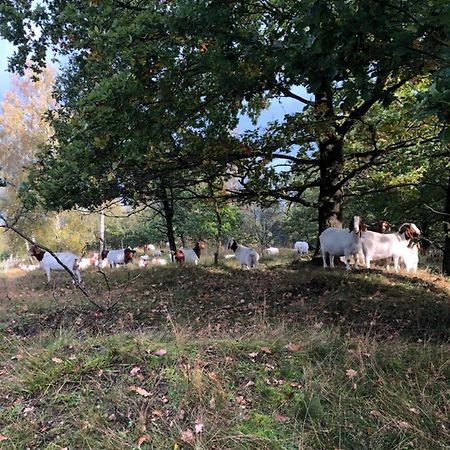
<point x="286" y="357"/>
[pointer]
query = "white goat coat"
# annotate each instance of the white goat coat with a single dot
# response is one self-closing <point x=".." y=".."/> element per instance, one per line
<point x="381" y="246"/>
<point x="246" y="256"/>
<point x="272" y="251"/>
<point x="340" y="242"/>
<point x="410" y="258"/>
<point x="190" y="257"/>
<point x="49" y="263"/>
<point x="301" y="247"/>
<point x="115" y="257"/>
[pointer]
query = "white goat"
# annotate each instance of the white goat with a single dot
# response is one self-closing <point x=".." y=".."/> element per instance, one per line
<point x="392" y="245"/>
<point x="49" y="263"/>
<point x="342" y="242"/>
<point x="158" y="262"/>
<point x="190" y="255"/>
<point x="301" y="247"/>
<point x="410" y="257"/>
<point x="246" y="256"/>
<point x="272" y="251"/>
<point x="118" y="257"/>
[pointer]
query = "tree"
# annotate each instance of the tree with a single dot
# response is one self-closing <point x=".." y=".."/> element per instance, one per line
<point x="156" y="88"/>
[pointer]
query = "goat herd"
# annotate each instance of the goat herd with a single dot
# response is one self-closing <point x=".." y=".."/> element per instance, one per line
<point x="356" y="244"/>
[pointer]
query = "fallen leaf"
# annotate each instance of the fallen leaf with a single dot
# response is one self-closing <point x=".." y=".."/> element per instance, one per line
<point x="292" y="347"/>
<point x="57" y="360"/>
<point x="142" y="439"/>
<point x="198" y="428"/>
<point x="3" y="437"/>
<point x="134" y="371"/>
<point x="140" y="391"/>
<point x="280" y="418"/>
<point x="188" y="436"/>
<point x="351" y="373"/>
<point x="161" y="352"/>
<point x="253" y="354"/>
<point x="213" y="376"/>
<point x="266" y="350"/>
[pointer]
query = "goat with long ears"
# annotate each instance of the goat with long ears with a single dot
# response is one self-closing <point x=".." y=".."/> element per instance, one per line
<point x="392" y="245"/>
<point x="188" y="255"/>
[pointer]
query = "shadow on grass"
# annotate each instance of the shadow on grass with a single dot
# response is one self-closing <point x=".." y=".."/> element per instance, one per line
<point x="207" y="299"/>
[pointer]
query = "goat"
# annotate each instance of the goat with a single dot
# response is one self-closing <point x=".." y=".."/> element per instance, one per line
<point x="382" y="226"/>
<point x="118" y="257"/>
<point x="392" y="245"/>
<point x="410" y="257"/>
<point x="246" y="256"/>
<point x="301" y="247"/>
<point x="272" y="251"/>
<point x="342" y="242"/>
<point x="188" y="255"/>
<point x="49" y="263"/>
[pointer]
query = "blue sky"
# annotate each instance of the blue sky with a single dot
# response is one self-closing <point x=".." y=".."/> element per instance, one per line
<point x="6" y="50"/>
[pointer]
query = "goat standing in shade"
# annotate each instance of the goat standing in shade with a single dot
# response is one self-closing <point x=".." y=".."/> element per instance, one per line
<point x="118" y="257"/>
<point x="246" y="256"/>
<point x="392" y="245"/>
<point x="342" y="242"/>
<point x="49" y="263"/>
<point x="301" y="247"/>
<point x="188" y="255"/>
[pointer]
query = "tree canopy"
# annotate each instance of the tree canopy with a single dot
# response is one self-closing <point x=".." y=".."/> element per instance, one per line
<point x="153" y="92"/>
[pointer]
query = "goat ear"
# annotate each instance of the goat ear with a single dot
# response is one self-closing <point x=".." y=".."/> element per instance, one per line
<point x="362" y="224"/>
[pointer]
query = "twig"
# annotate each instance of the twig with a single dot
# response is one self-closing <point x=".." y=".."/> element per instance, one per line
<point x="70" y="272"/>
<point x="436" y="212"/>
<point x="129" y="281"/>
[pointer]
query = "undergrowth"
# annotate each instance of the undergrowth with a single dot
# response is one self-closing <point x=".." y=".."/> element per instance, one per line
<point x="286" y="357"/>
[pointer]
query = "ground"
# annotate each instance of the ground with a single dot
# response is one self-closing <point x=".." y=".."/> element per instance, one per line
<point x="289" y="356"/>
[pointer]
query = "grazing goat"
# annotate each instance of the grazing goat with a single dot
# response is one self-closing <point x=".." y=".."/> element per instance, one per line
<point x="410" y="257"/>
<point x="49" y="263"/>
<point x="246" y="256"/>
<point x="301" y="247"/>
<point x="188" y="255"/>
<point x="272" y="251"/>
<point x="380" y="246"/>
<point x="91" y="260"/>
<point x="382" y="226"/>
<point x="118" y="257"/>
<point x="342" y="242"/>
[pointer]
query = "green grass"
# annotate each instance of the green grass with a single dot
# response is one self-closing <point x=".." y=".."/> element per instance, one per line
<point x="286" y="357"/>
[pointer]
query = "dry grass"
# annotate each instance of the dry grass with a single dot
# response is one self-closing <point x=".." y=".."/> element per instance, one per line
<point x="286" y="357"/>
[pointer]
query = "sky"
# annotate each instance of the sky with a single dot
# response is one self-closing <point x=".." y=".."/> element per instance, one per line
<point x="6" y="50"/>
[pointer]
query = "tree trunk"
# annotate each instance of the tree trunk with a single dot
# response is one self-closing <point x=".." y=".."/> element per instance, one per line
<point x="446" y="259"/>
<point x="183" y="241"/>
<point x="331" y="162"/>
<point x="330" y="200"/>
<point x="330" y="195"/>
<point x="101" y="233"/>
<point x="168" y="216"/>
<point x="219" y="232"/>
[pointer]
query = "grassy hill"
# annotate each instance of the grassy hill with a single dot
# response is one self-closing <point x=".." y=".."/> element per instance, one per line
<point x="289" y="356"/>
